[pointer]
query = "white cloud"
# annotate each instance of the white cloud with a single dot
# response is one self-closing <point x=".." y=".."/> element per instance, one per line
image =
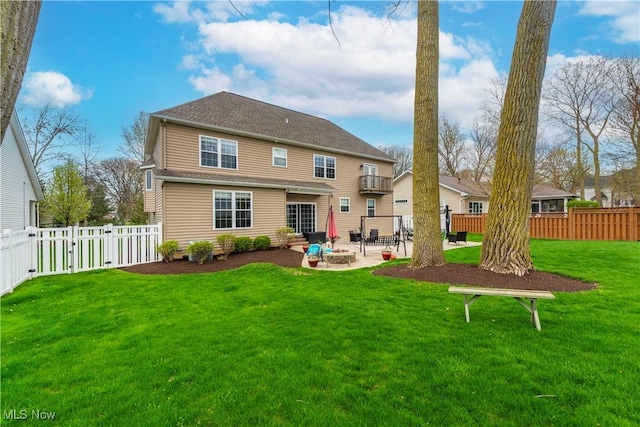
<point x="624" y="17"/>
<point x="51" y="87"/>
<point x="368" y="72"/>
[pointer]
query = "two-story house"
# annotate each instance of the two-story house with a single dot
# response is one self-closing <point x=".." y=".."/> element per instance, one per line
<point x="227" y="164"/>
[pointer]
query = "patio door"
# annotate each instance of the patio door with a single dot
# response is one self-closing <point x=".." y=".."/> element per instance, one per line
<point x="370" y="171"/>
<point x="301" y="217"/>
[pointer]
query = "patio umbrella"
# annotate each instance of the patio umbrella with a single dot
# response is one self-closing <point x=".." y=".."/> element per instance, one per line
<point x="332" y="229"/>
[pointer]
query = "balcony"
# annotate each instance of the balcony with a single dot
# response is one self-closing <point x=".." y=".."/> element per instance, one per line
<point x="373" y="184"/>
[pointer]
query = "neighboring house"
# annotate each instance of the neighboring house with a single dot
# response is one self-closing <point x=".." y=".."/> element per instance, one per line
<point x="227" y="164"/>
<point x="470" y="197"/>
<point x="616" y="189"/>
<point x="20" y="190"/>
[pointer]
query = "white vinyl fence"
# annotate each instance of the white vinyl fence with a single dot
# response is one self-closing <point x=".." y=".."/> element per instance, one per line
<point x="33" y="252"/>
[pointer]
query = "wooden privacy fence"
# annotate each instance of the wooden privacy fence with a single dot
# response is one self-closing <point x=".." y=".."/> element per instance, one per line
<point x="577" y="224"/>
<point x="33" y="252"/>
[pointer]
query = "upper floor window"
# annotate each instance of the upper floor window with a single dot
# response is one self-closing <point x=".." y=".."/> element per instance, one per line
<point x="369" y="169"/>
<point x="345" y="205"/>
<point x="280" y="157"/>
<point x="218" y="153"/>
<point x="324" y="166"/>
<point x="148" y="180"/>
<point x="475" y="207"/>
<point x="371" y="208"/>
<point x="232" y="209"/>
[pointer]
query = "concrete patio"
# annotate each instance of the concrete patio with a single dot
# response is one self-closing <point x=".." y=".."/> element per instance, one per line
<point x="373" y="254"/>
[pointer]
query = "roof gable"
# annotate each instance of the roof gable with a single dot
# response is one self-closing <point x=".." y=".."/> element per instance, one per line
<point x="230" y="112"/>
<point x="16" y="129"/>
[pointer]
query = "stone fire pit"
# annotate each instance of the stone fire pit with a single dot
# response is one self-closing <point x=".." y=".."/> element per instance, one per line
<point x="340" y="256"/>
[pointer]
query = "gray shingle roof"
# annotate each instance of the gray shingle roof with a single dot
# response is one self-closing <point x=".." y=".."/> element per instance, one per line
<point x="234" y="112"/>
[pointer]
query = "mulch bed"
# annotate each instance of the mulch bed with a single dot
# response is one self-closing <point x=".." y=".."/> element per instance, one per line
<point x="459" y="274"/>
<point x="465" y="274"/>
<point x="281" y="257"/>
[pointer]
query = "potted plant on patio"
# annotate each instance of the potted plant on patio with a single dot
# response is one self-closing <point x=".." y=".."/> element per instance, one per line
<point x="386" y="253"/>
<point x="312" y="260"/>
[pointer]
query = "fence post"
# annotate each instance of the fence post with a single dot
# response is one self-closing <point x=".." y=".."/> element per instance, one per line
<point x="33" y="251"/>
<point x="633" y="226"/>
<point x="571" y="225"/>
<point x="108" y="245"/>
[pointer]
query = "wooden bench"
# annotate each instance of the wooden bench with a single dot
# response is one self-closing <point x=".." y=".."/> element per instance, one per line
<point x="470" y="295"/>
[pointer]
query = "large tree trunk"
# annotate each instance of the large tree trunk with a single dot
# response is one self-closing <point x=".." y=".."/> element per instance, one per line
<point x="427" y="241"/>
<point x="506" y="242"/>
<point x="18" y="21"/>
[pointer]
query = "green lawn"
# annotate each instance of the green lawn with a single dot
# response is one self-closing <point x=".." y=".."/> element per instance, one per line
<point x="263" y="345"/>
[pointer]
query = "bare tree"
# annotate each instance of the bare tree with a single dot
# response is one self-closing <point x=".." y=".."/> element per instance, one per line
<point x="45" y="134"/>
<point x="556" y="165"/>
<point x="135" y="137"/>
<point x="427" y="244"/>
<point x="402" y="154"/>
<point x="581" y="97"/>
<point x="626" y="117"/>
<point x="451" y="147"/>
<point x="506" y="242"/>
<point x="18" y="20"/>
<point x="123" y="182"/>
<point x="88" y="147"/>
<point x="481" y="158"/>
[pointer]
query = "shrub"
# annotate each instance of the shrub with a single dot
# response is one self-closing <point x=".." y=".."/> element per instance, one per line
<point x="168" y="249"/>
<point x="227" y="242"/>
<point x="582" y="204"/>
<point x="284" y="234"/>
<point x="243" y="244"/>
<point x="200" y="250"/>
<point x="262" y="243"/>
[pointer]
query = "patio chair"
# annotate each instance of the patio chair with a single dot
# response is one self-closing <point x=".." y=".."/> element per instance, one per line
<point x="460" y="236"/>
<point x="354" y="236"/>
<point x="373" y="236"/>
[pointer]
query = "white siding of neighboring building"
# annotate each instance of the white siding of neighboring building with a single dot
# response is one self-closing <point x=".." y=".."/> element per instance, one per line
<point x="18" y="196"/>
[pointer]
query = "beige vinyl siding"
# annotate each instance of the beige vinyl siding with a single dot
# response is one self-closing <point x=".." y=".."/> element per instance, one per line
<point x="403" y="189"/>
<point x="255" y="159"/>
<point x="159" y="196"/>
<point x="158" y="158"/>
<point x="453" y="199"/>
<point x="189" y="212"/>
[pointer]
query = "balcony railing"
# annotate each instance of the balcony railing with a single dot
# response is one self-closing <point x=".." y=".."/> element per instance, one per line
<point x="373" y="184"/>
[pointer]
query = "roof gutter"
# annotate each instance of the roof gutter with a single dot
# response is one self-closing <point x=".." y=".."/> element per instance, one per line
<point x="288" y="188"/>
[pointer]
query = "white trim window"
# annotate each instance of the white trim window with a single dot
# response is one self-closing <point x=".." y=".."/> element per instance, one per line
<point x="475" y="207"/>
<point x="324" y="166"/>
<point x="232" y="209"/>
<point x="371" y="208"/>
<point x="345" y="205"/>
<point x="279" y="157"/>
<point x="148" y="179"/>
<point x="218" y="153"/>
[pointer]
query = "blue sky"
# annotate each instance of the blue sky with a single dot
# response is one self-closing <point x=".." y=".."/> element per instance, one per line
<point x="109" y="60"/>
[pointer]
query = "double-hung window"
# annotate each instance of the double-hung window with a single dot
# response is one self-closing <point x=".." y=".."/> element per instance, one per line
<point x="324" y="166"/>
<point x="280" y="157"/>
<point x="218" y="152"/>
<point x="345" y="205"/>
<point x="371" y="208"/>
<point x="232" y="209"/>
